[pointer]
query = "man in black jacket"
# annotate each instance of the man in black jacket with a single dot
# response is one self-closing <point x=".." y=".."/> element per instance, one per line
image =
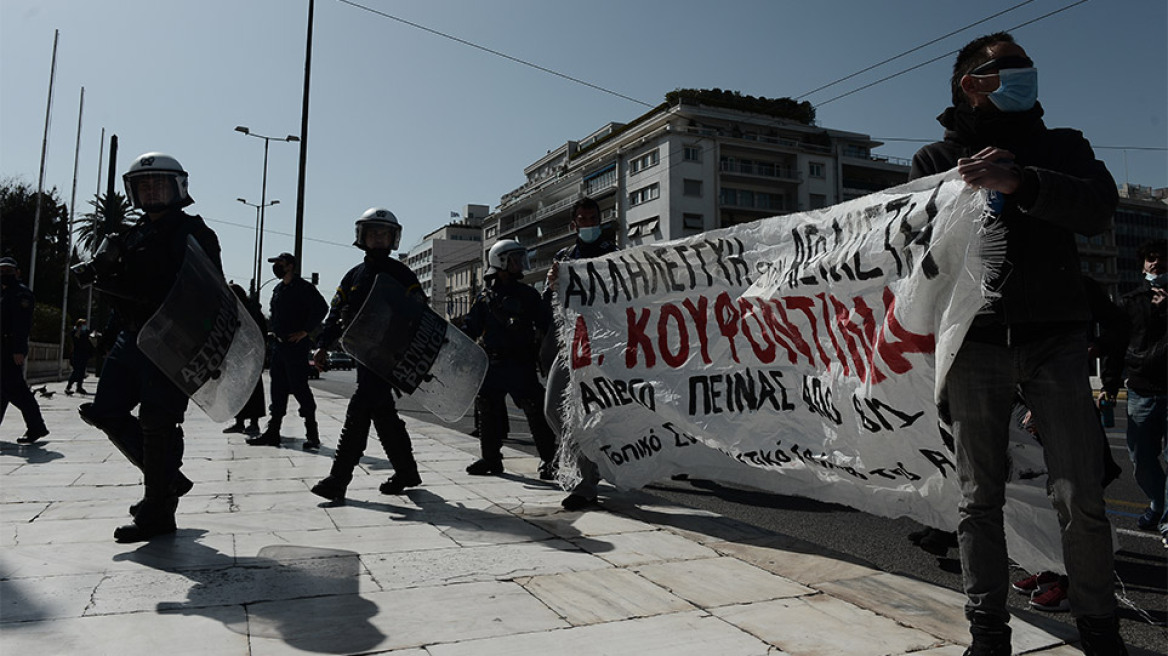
<point x="1147" y="388"/>
<point x="16" y="307"/>
<point x="511" y="319"/>
<point x="296" y="310"/>
<point x="136" y="281"/>
<point x="1043" y="186"/>
<point x="378" y="234"/>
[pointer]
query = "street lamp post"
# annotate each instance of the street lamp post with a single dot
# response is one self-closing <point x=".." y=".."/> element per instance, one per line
<point x="264" y="188"/>
<point x="253" y="290"/>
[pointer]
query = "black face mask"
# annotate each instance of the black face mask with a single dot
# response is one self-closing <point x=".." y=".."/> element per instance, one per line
<point x="279" y="269"/>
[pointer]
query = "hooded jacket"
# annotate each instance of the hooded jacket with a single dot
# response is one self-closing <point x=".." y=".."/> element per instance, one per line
<point x="1065" y="191"/>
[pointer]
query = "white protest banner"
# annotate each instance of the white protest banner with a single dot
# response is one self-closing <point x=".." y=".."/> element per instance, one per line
<point x="801" y="354"/>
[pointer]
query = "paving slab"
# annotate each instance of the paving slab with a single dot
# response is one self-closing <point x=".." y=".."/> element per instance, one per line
<point x="821" y="625"/>
<point x="603" y="595"/>
<point x="712" y="582"/>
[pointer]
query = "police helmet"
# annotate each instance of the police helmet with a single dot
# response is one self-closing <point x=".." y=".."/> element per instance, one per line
<point x="378" y="217"/>
<point x="160" y="167"/>
<point x="503" y="250"/>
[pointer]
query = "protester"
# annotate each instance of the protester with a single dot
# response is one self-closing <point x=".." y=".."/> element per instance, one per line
<point x="16" y="306"/>
<point x="378" y="234"/>
<point x="247" y="421"/>
<point x="296" y="310"/>
<point x="79" y="358"/>
<point x="136" y="270"/>
<point x="1147" y="388"/>
<point x="1044" y="186"/>
<point x="511" y="319"/>
<point x="590" y="242"/>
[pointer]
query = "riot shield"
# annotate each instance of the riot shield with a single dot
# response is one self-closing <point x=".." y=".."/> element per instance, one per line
<point x="408" y="344"/>
<point x="203" y="339"/>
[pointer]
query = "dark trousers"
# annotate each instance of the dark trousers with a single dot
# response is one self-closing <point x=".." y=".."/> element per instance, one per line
<point x="152" y="441"/>
<point x="372" y="404"/>
<point x="518" y="379"/>
<point x="289" y="372"/>
<point x="14" y="389"/>
<point x="78" y="375"/>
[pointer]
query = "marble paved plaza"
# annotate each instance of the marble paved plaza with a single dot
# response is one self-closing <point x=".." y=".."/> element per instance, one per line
<point x="461" y="566"/>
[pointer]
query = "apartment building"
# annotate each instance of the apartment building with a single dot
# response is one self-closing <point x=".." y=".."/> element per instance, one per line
<point x="1142" y="215"/>
<point x="458" y="242"/>
<point x="686" y="167"/>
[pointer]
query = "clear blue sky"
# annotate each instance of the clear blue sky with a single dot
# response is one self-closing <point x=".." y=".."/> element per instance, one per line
<point x="408" y="120"/>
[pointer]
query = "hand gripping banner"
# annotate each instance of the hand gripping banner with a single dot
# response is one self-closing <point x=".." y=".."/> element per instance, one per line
<point x="802" y="354"/>
<point x="203" y="339"/>
<point x="408" y="344"/>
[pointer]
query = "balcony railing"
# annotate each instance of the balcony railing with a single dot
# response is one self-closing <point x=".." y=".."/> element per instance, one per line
<point x="539" y="214"/>
<point x="761" y="170"/>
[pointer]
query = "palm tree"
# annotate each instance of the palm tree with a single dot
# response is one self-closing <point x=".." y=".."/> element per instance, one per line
<point x="112" y="213"/>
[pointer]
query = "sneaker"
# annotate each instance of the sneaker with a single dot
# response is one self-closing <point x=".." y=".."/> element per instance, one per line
<point x="1054" y="600"/>
<point x="579" y="502"/>
<point x="270" y="437"/>
<point x="1037" y="583"/>
<point x="68" y="392"/>
<point x="32" y="435"/>
<point x="1149" y="520"/>
<point x="399" y="482"/>
<point x="485" y="468"/>
<point x="1099" y="636"/>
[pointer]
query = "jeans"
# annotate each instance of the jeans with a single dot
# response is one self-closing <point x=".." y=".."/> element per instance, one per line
<point x="557" y="385"/>
<point x="1146" y="444"/>
<point x="1051" y="374"/>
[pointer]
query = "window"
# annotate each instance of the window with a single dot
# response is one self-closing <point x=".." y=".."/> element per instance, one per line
<point x="645" y="161"/>
<point x="818" y="201"/>
<point x="644" y="194"/>
<point x="490" y="232"/>
<point x="692" y="188"/>
<point x="644" y="227"/>
<point x="693" y="222"/>
<point x="693" y="153"/>
<point x="816" y="169"/>
<point x="600" y="180"/>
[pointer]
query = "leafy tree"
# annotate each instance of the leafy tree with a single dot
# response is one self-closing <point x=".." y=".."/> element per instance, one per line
<point x="110" y="214"/>
<point x="18" y="202"/>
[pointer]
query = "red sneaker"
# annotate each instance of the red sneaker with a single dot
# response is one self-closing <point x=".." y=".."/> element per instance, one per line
<point x="1037" y="583"/>
<point x="1054" y="600"/>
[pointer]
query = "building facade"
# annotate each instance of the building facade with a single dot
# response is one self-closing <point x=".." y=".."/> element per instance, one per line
<point x="685" y="168"/>
<point x="1142" y="215"/>
<point x="444" y="249"/>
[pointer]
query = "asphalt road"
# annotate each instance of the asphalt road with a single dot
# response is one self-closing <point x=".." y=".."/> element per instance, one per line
<point x="1141" y="562"/>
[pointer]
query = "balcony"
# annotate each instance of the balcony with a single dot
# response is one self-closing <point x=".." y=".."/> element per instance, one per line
<point x="539" y="214"/>
<point x="761" y="170"/>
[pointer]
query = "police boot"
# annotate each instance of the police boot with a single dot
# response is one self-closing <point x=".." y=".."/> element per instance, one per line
<point x="126" y="434"/>
<point x="155" y="514"/>
<point x="991" y="637"/>
<point x="270" y="436"/>
<point x="311" y="436"/>
<point x="350" y="447"/>
<point x="395" y="439"/>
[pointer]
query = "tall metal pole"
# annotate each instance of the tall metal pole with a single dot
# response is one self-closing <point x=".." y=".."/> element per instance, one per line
<point x="100" y="160"/>
<point x="299" y="244"/>
<point x="36" y="221"/>
<point x="69" y="236"/>
<point x="263" y="201"/>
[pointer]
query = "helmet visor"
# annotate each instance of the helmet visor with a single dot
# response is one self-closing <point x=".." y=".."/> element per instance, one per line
<point x="153" y="191"/>
<point x="378" y="236"/>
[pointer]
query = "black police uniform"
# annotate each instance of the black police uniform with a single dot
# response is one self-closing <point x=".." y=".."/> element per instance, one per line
<point x="296" y="306"/>
<point x="373" y="400"/>
<point x="79" y="358"/>
<point x="511" y="319"/>
<point x="16" y="307"/>
<point x="153" y="253"/>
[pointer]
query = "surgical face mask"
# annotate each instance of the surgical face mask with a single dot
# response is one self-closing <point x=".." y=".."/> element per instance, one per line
<point x="1017" y="89"/>
<point x="589" y="234"/>
<point x="1157" y="279"/>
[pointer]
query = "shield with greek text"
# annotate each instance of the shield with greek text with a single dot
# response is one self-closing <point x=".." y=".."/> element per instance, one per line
<point x="203" y="339"/>
<point x="419" y="352"/>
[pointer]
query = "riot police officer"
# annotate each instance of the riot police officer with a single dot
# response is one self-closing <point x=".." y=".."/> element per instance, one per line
<point x="136" y="270"/>
<point x="378" y="234"/>
<point x="511" y="320"/>
<point x="16" y="306"/>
